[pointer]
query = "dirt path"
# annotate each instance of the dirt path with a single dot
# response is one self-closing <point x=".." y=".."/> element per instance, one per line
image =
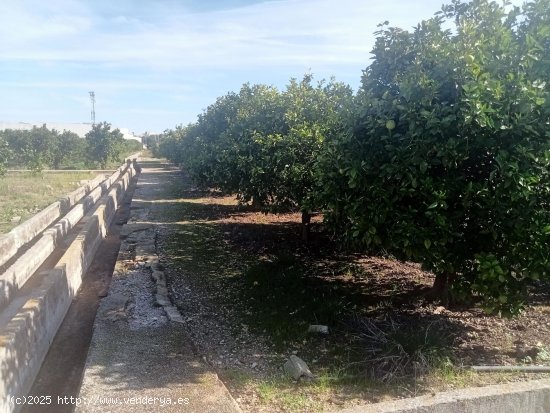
<point x="140" y="360"/>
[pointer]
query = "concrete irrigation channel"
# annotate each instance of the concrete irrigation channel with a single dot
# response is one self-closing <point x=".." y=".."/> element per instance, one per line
<point x="43" y="264"/>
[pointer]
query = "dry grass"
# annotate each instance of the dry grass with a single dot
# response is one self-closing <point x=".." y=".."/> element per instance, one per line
<point x="23" y="194"/>
<point x="394" y="351"/>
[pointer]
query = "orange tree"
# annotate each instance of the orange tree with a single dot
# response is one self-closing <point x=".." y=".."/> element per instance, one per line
<point x="447" y="160"/>
<point x="104" y="144"/>
<point x="261" y="144"/>
<point x="34" y="148"/>
<point x="170" y="145"/>
<point x="4" y="155"/>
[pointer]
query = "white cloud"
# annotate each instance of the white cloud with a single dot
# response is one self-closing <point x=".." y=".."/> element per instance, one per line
<point x="284" y="33"/>
<point x="168" y="60"/>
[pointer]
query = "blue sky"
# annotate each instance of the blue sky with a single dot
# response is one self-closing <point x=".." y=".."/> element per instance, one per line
<point x="154" y="64"/>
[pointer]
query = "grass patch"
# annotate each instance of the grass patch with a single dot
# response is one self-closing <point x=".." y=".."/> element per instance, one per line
<point x="312" y="396"/>
<point x="296" y="402"/>
<point x="236" y="377"/>
<point x="289" y="396"/>
<point x="452" y="375"/>
<point x="282" y="299"/>
<point x="24" y="194"/>
<point x="267" y="391"/>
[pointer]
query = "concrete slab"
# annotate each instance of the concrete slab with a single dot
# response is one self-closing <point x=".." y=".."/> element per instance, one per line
<point x="522" y="397"/>
<point x="128" y="229"/>
<point x="147" y="370"/>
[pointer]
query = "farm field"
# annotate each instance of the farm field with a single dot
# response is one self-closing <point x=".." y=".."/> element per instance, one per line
<point x="23" y="194"/>
<point x="312" y="245"/>
<point x="249" y="289"/>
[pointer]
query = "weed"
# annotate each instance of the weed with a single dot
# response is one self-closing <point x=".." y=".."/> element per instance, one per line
<point x="297" y="401"/>
<point x="543" y="353"/>
<point x="448" y="373"/>
<point x="291" y="397"/>
<point x="396" y="350"/>
<point x="267" y="391"/>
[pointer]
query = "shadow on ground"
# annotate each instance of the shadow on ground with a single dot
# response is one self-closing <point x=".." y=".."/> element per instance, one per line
<point x="252" y="269"/>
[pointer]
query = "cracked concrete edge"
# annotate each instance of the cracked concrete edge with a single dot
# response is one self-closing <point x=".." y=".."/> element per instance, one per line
<point x="161" y="294"/>
<point x="146" y="253"/>
<point x="522" y="397"/>
<point x="131" y="228"/>
<point x="150" y="260"/>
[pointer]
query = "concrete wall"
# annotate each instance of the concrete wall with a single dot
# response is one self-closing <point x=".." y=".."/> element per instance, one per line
<point x="19" y="272"/>
<point x="24" y="233"/>
<point x="27" y="231"/>
<point x="521" y="397"/>
<point x="30" y="321"/>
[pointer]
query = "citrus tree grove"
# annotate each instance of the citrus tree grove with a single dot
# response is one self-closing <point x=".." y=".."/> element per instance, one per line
<point x="262" y="144"/>
<point x="42" y="148"/>
<point x="441" y="157"/>
<point x="34" y="149"/>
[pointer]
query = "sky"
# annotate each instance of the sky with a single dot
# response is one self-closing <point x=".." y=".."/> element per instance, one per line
<point x="155" y="64"/>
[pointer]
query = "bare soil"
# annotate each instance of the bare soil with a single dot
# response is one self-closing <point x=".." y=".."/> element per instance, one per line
<point x="248" y="288"/>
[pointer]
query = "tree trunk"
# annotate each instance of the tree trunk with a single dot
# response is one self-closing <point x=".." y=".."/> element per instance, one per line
<point x="441" y="289"/>
<point x="306" y="221"/>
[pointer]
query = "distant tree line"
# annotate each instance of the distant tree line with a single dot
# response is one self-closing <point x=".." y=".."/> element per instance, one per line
<point x="442" y="156"/>
<point x="42" y="148"/>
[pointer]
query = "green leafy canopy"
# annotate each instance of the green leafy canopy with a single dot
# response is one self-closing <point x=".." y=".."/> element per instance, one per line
<point x="447" y="162"/>
<point x="442" y="157"/>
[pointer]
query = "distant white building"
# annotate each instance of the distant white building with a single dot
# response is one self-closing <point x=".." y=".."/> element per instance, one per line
<point x="81" y="129"/>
